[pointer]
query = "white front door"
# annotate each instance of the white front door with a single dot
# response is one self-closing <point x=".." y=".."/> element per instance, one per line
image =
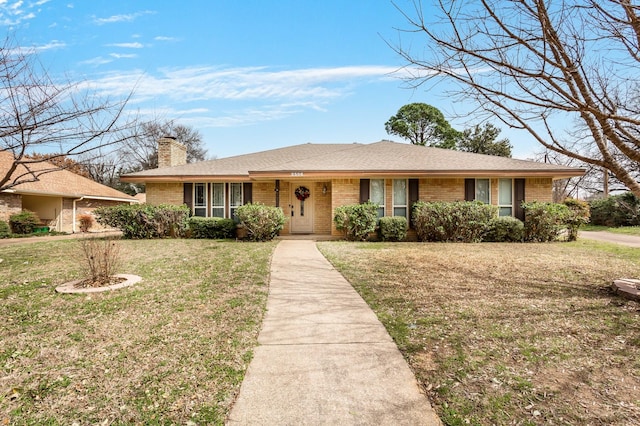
<point x="301" y="208"/>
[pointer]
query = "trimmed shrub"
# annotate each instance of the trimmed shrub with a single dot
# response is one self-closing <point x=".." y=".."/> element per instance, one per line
<point x="261" y="222"/>
<point x="577" y="216"/>
<point x="143" y="221"/>
<point x="393" y="228"/>
<point x="86" y="222"/>
<point x="24" y="222"/>
<point x="212" y="227"/>
<point x="5" y="231"/>
<point x="357" y="221"/>
<point x="462" y="221"/>
<point x="544" y="221"/>
<point x="616" y="210"/>
<point x="505" y="229"/>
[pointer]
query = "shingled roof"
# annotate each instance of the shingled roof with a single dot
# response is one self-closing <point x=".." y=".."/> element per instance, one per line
<point x="363" y="160"/>
<point x="61" y="183"/>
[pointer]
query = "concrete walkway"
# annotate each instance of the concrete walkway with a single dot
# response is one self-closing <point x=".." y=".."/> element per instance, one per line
<point x="323" y="356"/>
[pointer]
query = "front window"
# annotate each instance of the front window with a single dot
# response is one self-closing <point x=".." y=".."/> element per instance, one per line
<point x="377" y="195"/>
<point x="217" y="199"/>
<point x="505" y="197"/>
<point x="483" y="191"/>
<point x="200" y="199"/>
<point x="235" y="198"/>
<point x="400" y="197"/>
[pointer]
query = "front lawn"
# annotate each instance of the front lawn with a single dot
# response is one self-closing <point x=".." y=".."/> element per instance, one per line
<point x="508" y="334"/>
<point x="170" y="350"/>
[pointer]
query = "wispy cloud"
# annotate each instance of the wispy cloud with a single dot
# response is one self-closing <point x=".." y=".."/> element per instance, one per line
<point x="164" y="38"/>
<point x="30" y="50"/>
<point x="122" y="18"/>
<point x="16" y="12"/>
<point x="99" y="60"/>
<point x="250" y="94"/>
<point x="123" y="55"/>
<point x="135" y="45"/>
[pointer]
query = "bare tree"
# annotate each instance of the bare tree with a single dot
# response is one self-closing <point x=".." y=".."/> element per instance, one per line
<point x="538" y="65"/>
<point x="106" y="169"/>
<point x="140" y="152"/>
<point x="40" y="114"/>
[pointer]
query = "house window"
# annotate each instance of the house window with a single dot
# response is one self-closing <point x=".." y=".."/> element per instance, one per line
<point x="483" y="191"/>
<point x="505" y="197"/>
<point x="376" y="191"/>
<point x="235" y="198"/>
<point x="400" y="197"/>
<point x="200" y="199"/>
<point x="217" y="199"/>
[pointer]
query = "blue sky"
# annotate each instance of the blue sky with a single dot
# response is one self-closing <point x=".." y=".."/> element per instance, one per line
<point x="248" y="75"/>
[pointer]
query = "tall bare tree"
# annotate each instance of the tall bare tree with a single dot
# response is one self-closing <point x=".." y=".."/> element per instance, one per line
<point x="38" y="113"/>
<point x="140" y="152"/>
<point x="538" y="65"/>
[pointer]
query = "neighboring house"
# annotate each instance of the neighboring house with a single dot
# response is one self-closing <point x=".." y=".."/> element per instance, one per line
<point x="309" y="181"/>
<point x="57" y="197"/>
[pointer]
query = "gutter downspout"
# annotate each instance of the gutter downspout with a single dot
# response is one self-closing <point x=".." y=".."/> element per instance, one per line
<point x="73" y="227"/>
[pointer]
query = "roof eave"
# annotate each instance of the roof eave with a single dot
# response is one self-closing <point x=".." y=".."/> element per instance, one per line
<point x="184" y="178"/>
<point x="68" y="195"/>
<point x="292" y="174"/>
<point x="317" y="174"/>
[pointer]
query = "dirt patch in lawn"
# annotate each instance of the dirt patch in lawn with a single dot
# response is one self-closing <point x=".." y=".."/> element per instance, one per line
<point x="508" y="333"/>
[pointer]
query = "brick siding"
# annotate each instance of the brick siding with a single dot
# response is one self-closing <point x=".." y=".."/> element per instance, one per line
<point x="9" y="204"/>
<point x="347" y="191"/>
<point x="171" y="153"/>
<point x="165" y="193"/>
<point x="538" y="189"/>
<point x="441" y="189"/>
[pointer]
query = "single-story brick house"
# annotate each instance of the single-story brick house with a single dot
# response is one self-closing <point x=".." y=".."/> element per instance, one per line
<point x="58" y="197"/>
<point x="309" y="181"/>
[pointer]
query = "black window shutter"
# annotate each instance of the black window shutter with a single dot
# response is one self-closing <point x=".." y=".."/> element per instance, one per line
<point x="364" y="190"/>
<point x="469" y="189"/>
<point x="414" y="192"/>
<point x="188" y="195"/>
<point x="247" y="195"/>
<point x="518" y="211"/>
<point x="414" y="196"/>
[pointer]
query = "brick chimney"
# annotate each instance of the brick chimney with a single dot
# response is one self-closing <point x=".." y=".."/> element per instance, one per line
<point x="171" y="152"/>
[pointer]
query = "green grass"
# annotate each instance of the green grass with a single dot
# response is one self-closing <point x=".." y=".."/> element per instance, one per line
<point x="504" y="334"/>
<point x="628" y="230"/>
<point x="170" y="350"/>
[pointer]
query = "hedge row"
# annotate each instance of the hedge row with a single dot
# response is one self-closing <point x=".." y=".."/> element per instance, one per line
<point x="24" y="222"/>
<point x="433" y="221"/>
<point x="465" y="221"/>
<point x="212" y="227"/>
<point x="143" y="221"/>
<point x="5" y="231"/>
<point x="616" y="210"/>
<point x="474" y="222"/>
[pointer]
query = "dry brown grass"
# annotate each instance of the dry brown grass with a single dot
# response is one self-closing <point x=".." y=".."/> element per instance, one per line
<point x="171" y="349"/>
<point x="508" y="333"/>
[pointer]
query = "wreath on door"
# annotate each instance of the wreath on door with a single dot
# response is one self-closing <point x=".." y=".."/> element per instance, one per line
<point x="302" y="193"/>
